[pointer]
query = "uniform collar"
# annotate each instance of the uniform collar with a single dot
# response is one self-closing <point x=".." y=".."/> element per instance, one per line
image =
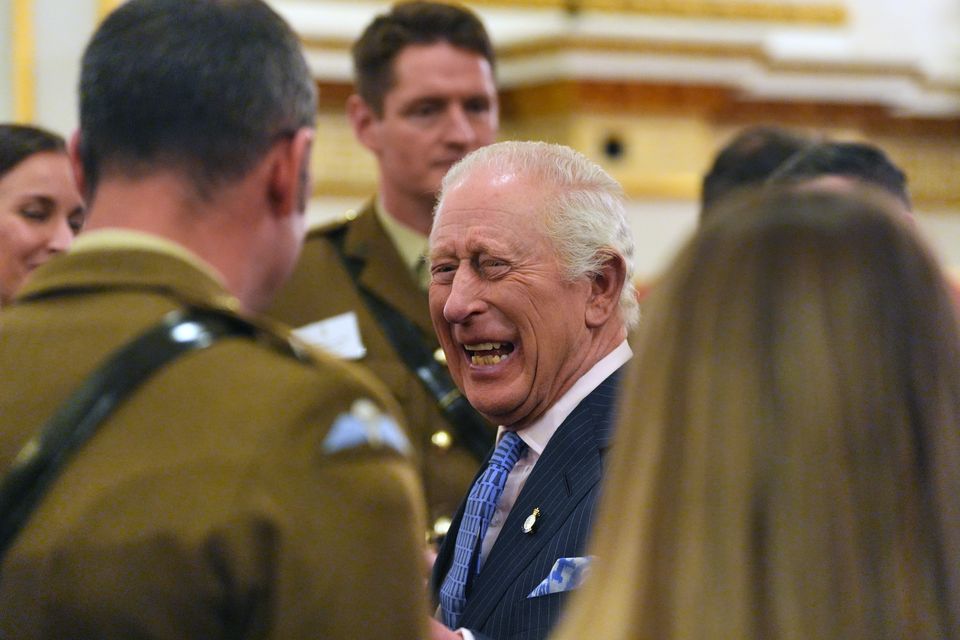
<point x="410" y="244"/>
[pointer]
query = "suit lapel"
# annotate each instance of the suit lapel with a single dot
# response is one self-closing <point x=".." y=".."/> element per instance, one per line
<point x="365" y="240"/>
<point x="569" y="468"/>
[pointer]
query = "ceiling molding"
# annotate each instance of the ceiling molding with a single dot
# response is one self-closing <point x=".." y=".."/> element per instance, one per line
<point x="743" y="67"/>
<point x="771" y="50"/>
<point x="806" y="13"/>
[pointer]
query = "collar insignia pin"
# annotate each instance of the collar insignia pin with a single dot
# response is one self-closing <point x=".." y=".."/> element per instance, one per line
<point x="531" y="522"/>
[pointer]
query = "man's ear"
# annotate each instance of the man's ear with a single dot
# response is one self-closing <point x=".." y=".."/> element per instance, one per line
<point x="289" y="173"/>
<point x="605" y="288"/>
<point x="76" y="164"/>
<point x="365" y="123"/>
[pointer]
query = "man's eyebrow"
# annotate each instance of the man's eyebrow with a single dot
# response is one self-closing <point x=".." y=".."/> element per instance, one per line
<point x="438" y="252"/>
<point x="422" y="100"/>
<point x="43" y="199"/>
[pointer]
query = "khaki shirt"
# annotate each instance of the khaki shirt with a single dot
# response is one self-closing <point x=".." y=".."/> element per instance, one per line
<point x="212" y="503"/>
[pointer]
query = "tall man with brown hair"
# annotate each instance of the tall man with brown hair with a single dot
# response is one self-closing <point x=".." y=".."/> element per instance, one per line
<point x="425" y="97"/>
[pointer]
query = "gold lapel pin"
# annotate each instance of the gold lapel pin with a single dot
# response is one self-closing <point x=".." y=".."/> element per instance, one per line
<point x="531" y="522"/>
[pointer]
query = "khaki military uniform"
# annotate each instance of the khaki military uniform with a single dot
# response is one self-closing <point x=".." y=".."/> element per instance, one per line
<point x="211" y="504"/>
<point x="321" y="287"/>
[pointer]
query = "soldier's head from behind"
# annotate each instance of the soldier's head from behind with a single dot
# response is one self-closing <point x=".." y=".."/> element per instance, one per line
<point x="843" y="166"/>
<point x="425" y="97"/>
<point x="203" y="88"/>
<point x="208" y="94"/>
<point x="751" y="157"/>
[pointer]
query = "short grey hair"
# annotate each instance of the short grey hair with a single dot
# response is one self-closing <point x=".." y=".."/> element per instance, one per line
<point x="585" y="216"/>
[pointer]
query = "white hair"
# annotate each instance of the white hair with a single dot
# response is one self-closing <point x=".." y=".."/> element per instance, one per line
<point x="585" y="216"/>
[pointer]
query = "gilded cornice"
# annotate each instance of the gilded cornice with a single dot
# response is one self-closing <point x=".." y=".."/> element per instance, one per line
<point x="519" y="52"/>
<point x="24" y="60"/>
<point x="806" y="13"/>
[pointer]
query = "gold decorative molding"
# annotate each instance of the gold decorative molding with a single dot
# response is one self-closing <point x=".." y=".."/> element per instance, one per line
<point x="682" y="186"/>
<point x="332" y="96"/>
<point x="665" y="148"/>
<point x="621" y="97"/>
<point x="561" y="44"/>
<point x="570" y="98"/>
<point x="330" y="43"/>
<point x="24" y="61"/>
<point x="104" y="7"/>
<point x="668" y="132"/>
<point x="756" y="53"/>
<point x="805" y="13"/>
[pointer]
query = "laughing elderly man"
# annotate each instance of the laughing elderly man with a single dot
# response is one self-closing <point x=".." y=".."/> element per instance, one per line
<point x="531" y="263"/>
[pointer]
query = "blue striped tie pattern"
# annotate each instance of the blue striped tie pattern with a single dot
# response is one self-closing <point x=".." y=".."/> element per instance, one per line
<point x="481" y="504"/>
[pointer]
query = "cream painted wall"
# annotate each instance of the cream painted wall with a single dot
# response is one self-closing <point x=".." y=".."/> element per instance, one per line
<point x="62" y="29"/>
<point x="6" y="64"/>
<point x="927" y="31"/>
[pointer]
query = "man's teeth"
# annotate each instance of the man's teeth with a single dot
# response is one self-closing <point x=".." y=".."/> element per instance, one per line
<point x="478" y="359"/>
<point x="483" y="346"/>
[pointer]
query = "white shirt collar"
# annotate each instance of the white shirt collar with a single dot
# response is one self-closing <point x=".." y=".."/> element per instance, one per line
<point x="538" y="434"/>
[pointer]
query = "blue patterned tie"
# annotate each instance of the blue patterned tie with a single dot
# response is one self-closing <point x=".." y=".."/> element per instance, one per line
<point x="481" y="503"/>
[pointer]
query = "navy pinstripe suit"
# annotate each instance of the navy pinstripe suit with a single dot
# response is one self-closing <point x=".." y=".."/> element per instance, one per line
<point x="564" y="485"/>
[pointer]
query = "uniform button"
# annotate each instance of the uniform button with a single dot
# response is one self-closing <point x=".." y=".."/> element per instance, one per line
<point x="350" y="214"/>
<point x="440" y="356"/>
<point x="441" y="525"/>
<point x="441" y="439"/>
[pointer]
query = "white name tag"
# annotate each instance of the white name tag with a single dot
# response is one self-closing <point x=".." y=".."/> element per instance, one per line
<point x="340" y="335"/>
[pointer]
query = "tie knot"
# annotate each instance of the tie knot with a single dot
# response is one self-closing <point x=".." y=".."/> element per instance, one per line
<point x="509" y="450"/>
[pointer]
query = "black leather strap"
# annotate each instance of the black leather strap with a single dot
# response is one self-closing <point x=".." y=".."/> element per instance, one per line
<point x="40" y="461"/>
<point x="473" y="430"/>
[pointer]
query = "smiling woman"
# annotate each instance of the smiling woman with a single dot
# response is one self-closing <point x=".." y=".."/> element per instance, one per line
<point x="40" y="206"/>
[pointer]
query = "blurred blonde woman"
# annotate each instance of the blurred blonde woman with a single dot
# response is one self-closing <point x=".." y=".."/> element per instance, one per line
<point x="788" y="461"/>
<point x="40" y="206"/>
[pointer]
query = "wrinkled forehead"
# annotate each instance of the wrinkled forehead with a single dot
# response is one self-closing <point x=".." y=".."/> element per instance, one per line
<point x="488" y="211"/>
<point x="507" y="191"/>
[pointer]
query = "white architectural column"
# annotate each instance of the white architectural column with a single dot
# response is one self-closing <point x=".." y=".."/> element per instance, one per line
<point x="62" y="29"/>
<point x="42" y="41"/>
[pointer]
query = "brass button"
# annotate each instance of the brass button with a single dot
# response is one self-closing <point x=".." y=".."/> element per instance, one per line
<point x="441" y="439"/>
<point x="350" y="214"/>
<point x="441" y="525"/>
<point x="440" y="356"/>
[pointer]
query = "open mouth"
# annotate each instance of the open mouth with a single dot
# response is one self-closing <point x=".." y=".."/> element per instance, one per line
<point x="488" y="353"/>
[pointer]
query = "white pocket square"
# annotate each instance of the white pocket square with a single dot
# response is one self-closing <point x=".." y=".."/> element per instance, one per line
<point x="567" y="574"/>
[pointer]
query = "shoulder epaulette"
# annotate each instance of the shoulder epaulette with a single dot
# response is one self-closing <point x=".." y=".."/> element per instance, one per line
<point x="328" y="225"/>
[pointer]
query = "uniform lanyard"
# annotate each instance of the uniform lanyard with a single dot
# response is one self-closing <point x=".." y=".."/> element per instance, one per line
<point x="41" y="460"/>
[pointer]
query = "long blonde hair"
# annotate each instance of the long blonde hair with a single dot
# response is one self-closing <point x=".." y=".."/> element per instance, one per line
<point x="787" y="462"/>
